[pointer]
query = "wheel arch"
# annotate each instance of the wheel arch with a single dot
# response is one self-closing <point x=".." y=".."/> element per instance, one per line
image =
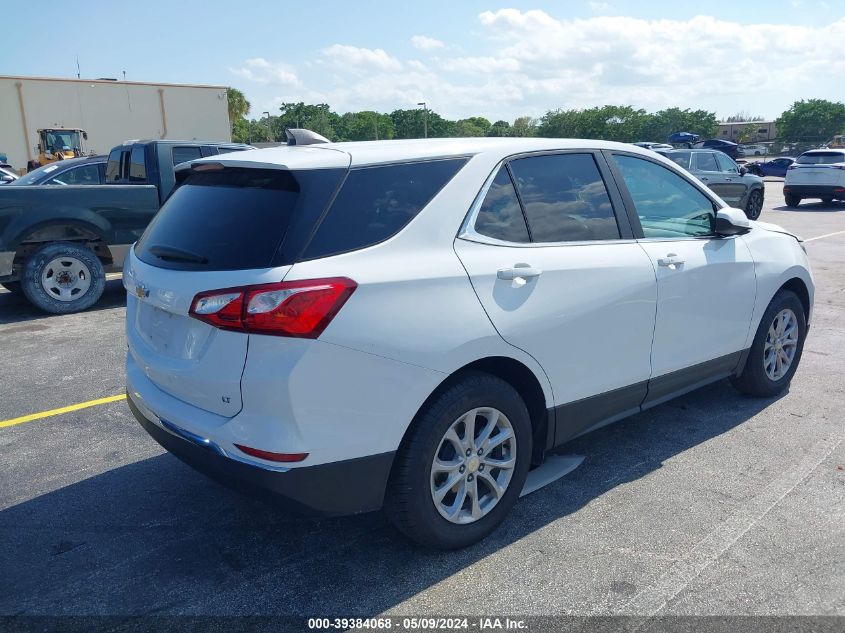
<point x="527" y="385"/>
<point x="797" y="285"/>
<point x="75" y="231"/>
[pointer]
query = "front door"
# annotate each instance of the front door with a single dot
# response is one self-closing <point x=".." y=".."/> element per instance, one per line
<point x="565" y="287"/>
<point x="705" y="283"/>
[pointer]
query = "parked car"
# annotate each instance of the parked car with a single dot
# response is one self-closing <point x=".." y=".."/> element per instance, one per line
<point x="7" y="175"/>
<point x="818" y="173"/>
<point x="88" y="170"/>
<point x="728" y="147"/>
<point x="57" y="243"/>
<point x="752" y="150"/>
<point x="653" y="146"/>
<point x="319" y="333"/>
<point x="724" y="177"/>
<point x="775" y="167"/>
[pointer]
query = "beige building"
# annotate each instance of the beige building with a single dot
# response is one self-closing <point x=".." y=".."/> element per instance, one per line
<point x="110" y="111"/>
<point x="757" y="131"/>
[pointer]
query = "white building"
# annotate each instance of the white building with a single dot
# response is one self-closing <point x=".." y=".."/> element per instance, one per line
<point x="110" y="111"/>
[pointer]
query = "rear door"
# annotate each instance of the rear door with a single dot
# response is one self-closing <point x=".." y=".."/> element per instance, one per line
<point x="220" y="229"/>
<point x="560" y="278"/>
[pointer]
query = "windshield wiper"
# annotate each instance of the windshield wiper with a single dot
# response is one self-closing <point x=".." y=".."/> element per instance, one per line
<point x="170" y="253"/>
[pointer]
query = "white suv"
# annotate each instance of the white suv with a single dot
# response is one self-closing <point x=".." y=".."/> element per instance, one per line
<point x="415" y="324"/>
<point x="819" y="173"/>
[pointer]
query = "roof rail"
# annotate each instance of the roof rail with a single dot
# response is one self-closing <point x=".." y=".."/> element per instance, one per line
<point x="301" y="136"/>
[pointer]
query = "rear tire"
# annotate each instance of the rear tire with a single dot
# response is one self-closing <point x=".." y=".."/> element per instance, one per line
<point x="776" y="350"/>
<point x="792" y="200"/>
<point x="62" y="278"/>
<point x="13" y="286"/>
<point x="437" y="450"/>
<point x="754" y="206"/>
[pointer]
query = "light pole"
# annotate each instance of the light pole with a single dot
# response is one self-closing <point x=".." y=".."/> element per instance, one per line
<point x="269" y="131"/>
<point x="425" y="118"/>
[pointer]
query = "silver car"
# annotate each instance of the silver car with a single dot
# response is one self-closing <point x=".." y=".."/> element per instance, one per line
<point x="723" y="176"/>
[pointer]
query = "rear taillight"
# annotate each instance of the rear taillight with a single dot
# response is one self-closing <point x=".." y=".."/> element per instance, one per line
<point x="299" y="309"/>
<point x="792" y="167"/>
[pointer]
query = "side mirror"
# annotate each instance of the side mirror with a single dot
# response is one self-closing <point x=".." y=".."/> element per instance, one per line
<point x="743" y="170"/>
<point x="730" y="221"/>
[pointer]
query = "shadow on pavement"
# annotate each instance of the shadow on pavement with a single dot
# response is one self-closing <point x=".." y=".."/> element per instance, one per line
<point x="14" y="307"/>
<point x="156" y="537"/>
<point x="813" y="206"/>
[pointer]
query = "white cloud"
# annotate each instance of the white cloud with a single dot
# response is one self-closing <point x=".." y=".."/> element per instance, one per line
<point x="425" y="43"/>
<point x="599" y="7"/>
<point x="480" y="65"/>
<point x="529" y="62"/>
<point x="260" y="71"/>
<point x="364" y="58"/>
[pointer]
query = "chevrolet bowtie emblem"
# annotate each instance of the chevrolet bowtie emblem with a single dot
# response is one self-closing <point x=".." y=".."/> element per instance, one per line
<point x="141" y="291"/>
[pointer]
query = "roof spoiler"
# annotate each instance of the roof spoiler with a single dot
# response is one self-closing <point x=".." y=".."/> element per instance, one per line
<point x="301" y="136"/>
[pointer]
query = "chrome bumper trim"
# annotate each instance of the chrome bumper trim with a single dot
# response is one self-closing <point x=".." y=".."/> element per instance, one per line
<point x="193" y="438"/>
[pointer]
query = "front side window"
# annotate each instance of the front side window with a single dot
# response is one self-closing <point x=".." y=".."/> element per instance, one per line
<point x="667" y="204"/>
<point x="500" y="215"/>
<point x="564" y="198"/>
<point x="85" y="175"/>
<point x="137" y="166"/>
<point x="726" y="164"/>
<point x="375" y="203"/>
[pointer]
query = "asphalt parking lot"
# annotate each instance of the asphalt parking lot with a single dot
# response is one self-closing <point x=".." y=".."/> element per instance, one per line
<point x="714" y="503"/>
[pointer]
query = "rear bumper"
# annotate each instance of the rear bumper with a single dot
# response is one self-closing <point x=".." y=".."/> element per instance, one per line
<point x="815" y="191"/>
<point x="338" y="488"/>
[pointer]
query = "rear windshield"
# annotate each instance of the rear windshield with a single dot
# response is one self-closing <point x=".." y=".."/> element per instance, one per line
<point x="821" y="158"/>
<point x="234" y="218"/>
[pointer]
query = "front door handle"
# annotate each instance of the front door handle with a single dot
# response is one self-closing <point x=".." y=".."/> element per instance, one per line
<point x="523" y="271"/>
<point x="670" y="260"/>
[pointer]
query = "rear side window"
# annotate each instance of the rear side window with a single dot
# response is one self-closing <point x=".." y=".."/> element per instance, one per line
<point x="375" y="203"/>
<point x="564" y="198"/>
<point x="232" y="219"/>
<point x="115" y="166"/>
<point x="500" y="215"/>
<point x="184" y="154"/>
<point x="821" y="158"/>
<point x="705" y="161"/>
<point x="85" y="175"/>
<point x="137" y="165"/>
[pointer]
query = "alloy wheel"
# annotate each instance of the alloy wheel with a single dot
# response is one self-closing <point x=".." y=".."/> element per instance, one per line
<point x="473" y="465"/>
<point x="781" y="344"/>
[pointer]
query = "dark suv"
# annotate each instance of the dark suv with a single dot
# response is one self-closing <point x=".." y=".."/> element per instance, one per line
<point x="730" y="182"/>
<point x="728" y="147"/>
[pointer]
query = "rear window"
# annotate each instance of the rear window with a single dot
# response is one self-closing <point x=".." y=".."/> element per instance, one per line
<point x="183" y="154"/>
<point x="375" y="203"/>
<point x="821" y="158"/>
<point x="233" y="219"/>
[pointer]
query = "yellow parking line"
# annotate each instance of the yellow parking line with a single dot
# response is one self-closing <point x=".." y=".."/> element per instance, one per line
<point x="59" y="411"/>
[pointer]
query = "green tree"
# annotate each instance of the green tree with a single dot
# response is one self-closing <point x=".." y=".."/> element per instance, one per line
<point x="811" y="120"/>
<point x="742" y="117"/>
<point x="499" y="128"/>
<point x="317" y="118"/>
<point x="615" y="123"/>
<point x="365" y="126"/>
<point x="660" y="125"/>
<point x="524" y="126"/>
<point x="410" y="124"/>
<point x="238" y="107"/>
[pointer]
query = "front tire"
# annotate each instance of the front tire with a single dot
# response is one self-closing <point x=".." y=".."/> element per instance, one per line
<point x="462" y="465"/>
<point x="792" y="200"/>
<point x="777" y="347"/>
<point x="754" y="206"/>
<point x="62" y="278"/>
<point x="13" y="286"/>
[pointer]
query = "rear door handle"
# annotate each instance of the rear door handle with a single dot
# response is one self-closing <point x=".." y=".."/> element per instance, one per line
<point x="670" y="260"/>
<point x="518" y="271"/>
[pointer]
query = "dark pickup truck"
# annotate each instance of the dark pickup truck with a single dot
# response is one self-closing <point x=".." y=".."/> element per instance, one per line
<point x="58" y="243"/>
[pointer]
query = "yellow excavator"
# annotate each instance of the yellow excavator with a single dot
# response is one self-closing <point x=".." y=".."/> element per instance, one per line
<point x="58" y="143"/>
<point x="838" y="142"/>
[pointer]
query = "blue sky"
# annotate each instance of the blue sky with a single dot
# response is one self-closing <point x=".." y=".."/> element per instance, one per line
<point x="499" y="60"/>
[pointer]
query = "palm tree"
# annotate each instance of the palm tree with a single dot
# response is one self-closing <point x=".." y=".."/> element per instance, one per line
<point x="238" y="105"/>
